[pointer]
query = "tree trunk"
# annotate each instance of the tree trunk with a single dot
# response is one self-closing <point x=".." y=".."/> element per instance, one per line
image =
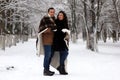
<point x="117" y="17"/>
<point x="73" y="14"/>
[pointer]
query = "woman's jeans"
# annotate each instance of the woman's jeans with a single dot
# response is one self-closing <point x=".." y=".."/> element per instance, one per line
<point x="47" y="57"/>
<point x="63" y="56"/>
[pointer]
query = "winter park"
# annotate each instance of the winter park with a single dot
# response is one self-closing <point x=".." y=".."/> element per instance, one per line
<point x="59" y="40"/>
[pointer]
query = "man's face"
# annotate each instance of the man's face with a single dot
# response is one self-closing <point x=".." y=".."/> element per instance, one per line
<point x="51" y="12"/>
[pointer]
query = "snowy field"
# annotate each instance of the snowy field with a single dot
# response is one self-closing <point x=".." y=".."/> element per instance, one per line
<point x="82" y="65"/>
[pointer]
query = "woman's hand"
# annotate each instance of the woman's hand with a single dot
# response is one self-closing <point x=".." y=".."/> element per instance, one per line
<point x="66" y="31"/>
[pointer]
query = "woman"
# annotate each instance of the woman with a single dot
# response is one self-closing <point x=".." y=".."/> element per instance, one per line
<point x="61" y="40"/>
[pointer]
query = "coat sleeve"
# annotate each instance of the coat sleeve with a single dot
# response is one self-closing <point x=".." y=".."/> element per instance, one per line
<point x="42" y="25"/>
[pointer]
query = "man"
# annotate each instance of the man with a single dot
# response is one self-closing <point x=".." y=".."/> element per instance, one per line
<point x="46" y="30"/>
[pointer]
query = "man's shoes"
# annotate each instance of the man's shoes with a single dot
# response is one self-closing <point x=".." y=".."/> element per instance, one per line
<point x="61" y="70"/>
<point x="48" y="73"/>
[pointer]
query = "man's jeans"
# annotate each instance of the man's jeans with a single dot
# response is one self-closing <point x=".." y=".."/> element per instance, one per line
<point x="47" y="57"/>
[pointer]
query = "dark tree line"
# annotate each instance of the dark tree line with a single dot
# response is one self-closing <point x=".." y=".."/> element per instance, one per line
<point x="94" y="20"/>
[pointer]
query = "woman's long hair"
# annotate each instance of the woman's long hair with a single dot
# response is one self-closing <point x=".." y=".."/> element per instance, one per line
<point x="65" y="20"/>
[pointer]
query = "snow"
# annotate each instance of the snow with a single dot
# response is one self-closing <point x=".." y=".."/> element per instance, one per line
<point x="82" y="65"/>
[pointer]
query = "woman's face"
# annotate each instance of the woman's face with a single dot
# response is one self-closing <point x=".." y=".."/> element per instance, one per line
<point x="60" y="16"/>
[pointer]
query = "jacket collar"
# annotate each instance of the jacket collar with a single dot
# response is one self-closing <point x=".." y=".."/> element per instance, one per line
<point x="49" y="15"/>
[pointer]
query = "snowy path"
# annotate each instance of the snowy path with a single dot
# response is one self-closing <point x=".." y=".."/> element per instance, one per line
<point x="83" y="64"/>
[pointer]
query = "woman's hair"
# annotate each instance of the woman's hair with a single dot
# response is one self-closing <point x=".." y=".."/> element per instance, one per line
<point x="65" y="19"/>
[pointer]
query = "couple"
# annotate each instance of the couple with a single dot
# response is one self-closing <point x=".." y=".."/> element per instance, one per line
<point x="53" y="36"/>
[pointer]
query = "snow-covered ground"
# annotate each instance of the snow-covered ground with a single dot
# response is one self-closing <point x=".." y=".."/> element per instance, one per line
<point x="82" y="65"/>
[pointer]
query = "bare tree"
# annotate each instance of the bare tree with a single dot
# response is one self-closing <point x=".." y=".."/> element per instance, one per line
<point x="116" y="7"/>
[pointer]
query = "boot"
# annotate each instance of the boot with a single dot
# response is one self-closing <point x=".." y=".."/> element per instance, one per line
<point x="48" y="73"/>
<point x="61" y="70"/>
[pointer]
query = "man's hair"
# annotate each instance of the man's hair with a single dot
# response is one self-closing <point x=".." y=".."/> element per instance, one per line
<point x="51" y="8"/>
